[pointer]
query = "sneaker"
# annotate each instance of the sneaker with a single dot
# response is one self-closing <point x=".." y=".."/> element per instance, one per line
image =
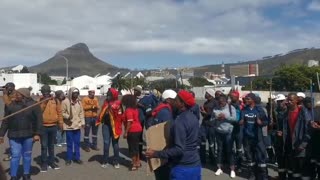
<point x="68" y="163"/>
<point x="54" y="166"/>
<point x="78" y="162"/>
<point x="59" y="145"/>
<point x="104" y="165"/>
<point x="117" y="166"/>
<point x="219" y="172"/>
<point x="233" y="174"/>
<point x="44" y="168"/>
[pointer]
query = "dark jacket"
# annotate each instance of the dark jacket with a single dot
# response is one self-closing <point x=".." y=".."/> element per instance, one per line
<point x="208" y="106"/>
<point x="25" y="124"/>
<point x="250" y="128"/>
<point x="184" y="140"/>
<point x="196" y="111"/>
<point x="301" y="135"/>
<point x="160" y="114"/>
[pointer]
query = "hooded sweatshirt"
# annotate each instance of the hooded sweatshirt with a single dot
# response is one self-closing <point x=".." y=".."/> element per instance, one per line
<point x="224" y="126"/>
<point x="111" y="114"/>
<point x="73" y="115"/>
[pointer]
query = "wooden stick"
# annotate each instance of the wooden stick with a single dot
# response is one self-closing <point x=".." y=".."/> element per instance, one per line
<point x="22" y="110"/>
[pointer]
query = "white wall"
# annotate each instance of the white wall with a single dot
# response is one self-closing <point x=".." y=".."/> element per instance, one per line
<point x="21" y="80"/>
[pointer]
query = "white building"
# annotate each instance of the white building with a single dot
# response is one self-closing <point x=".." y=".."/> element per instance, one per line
<point x="23" y="80"/>
<point x="312" y="63"/>
<point x="18" y="68"/>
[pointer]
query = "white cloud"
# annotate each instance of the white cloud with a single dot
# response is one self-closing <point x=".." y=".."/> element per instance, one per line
<point x="314" y="5"/>
<point x="35" y="31"/>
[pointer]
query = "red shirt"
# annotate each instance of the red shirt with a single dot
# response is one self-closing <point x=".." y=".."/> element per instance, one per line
<point x="133" y="116"/>
<point x="293" y="118"/>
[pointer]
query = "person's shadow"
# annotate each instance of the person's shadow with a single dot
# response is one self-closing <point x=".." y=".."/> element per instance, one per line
<point x="33" y="171"/>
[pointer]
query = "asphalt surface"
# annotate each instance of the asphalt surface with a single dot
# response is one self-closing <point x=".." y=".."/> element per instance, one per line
<point x="91" y="169"/>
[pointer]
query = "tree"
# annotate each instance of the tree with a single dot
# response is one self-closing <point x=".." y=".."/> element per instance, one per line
<point x="199" y="82"/>
<point x="24" y="70"/>
<point x="120" y="83"/>
<point x="164" y="84"/>
<point x="44" y="78"/>
<point x="64" y="81"/>
<point x="259" y="83"/>
<point x="294" y="78"/>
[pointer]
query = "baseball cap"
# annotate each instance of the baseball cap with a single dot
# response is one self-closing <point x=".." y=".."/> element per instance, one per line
<point x="169" y="93"/>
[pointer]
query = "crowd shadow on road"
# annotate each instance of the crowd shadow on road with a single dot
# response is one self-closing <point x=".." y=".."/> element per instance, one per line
<point x="61" y="155"/>
<point x="96" y="158"/>
<point x="33" y="171"/>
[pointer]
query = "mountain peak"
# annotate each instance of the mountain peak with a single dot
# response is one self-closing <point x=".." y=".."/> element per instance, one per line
<point x="79" y="46"/>
<point x="80" y="62"/>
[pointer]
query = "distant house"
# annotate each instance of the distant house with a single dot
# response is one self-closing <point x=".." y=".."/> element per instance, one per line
<point x="21" y="80"/>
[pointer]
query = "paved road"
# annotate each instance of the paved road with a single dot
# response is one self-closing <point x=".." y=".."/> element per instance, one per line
<point x="91" y="169"/>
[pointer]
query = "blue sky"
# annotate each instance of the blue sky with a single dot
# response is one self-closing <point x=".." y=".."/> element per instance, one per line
<point x="157" y="33"/>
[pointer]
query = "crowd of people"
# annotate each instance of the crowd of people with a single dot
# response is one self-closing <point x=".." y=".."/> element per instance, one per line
<point x="238" y="132"/>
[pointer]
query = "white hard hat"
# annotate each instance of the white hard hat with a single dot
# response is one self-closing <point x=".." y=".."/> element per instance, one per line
<point x="169" y="93"/>
<point x="301" y="94"/>
<point x="280" y="97"/>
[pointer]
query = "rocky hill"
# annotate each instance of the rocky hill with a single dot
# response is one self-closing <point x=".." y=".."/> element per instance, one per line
<point x="80" y="60"/>
<point x="268" y="65"/>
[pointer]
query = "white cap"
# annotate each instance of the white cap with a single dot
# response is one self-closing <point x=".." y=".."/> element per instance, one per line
<point x="210" y="92"/>
<point x="301" y="94"/>
<point x="169" y="93"/>
<point x="92" y="88"/>
<point x="280" y="97"/>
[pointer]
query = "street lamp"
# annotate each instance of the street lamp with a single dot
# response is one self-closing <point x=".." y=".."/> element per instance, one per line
<point x="67" y="68"/>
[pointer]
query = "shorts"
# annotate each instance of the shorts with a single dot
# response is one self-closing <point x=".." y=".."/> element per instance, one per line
<point x="133" y="140"/>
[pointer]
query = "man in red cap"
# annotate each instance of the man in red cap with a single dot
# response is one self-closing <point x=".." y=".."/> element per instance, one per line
<point x="182" y="154"/>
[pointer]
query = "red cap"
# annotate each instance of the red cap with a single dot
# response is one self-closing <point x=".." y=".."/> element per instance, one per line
<point x="187" y="97"/>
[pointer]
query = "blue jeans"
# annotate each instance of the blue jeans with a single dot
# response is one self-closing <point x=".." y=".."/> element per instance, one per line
<point x="73" y="144"/>
<point x="47" y="144"/>
<point x="90" y="125"/>
<point x="107" y="138"/>
<point x="61" y="136"/>
<point x="20" y="146"/>
<point x="183" y="173"/>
